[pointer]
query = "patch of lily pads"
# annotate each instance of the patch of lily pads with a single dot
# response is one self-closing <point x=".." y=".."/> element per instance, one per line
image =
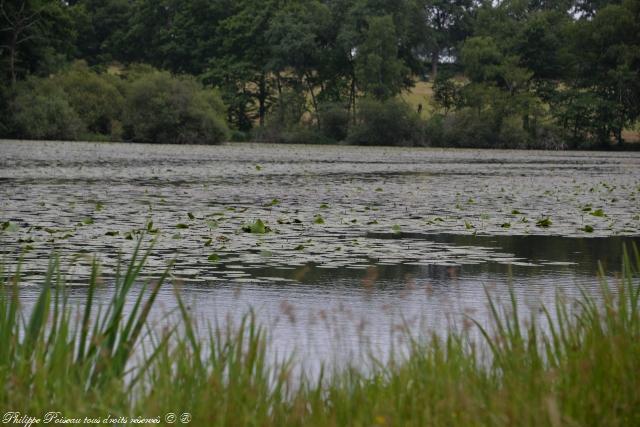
<point x="277" y="206"/>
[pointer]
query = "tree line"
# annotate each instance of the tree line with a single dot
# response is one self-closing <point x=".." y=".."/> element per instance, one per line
<point x="511" y="73"/>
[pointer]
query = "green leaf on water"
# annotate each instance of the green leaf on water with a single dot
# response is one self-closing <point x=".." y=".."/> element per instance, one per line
<point x="506" y="225"/>
<point x="468" y="225"/>
<point x="87" y="221"/>
<point x="379" y="189"/>
<point x="111" y="233"/>
<point x="587" y="229"/>
<point x="182" y="226"/>
<point x="212" y="223"/>
<point x="544" y="222"/>
<point x="257" y="227"/>
<point x="213" y="258"/>
<point x="99" y="206"/>
<point x="318" y="220"/>
<point x="190" y="215"/>
<point x="324" y="206"/>
<point x="299" y="248"/>
<point x="515" y="212"/>
<point x="10" y="227"/>
<point x="258" y="167"/>
<point x="396" y="229"/>
<point x="274" y="202"/>
<point x="372" y="222"/>
<point x="598" y="213"/>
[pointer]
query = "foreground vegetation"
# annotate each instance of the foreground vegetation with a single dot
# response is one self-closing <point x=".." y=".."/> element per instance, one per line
<point x="512" y="73"/>
<point x="571" y="364"/>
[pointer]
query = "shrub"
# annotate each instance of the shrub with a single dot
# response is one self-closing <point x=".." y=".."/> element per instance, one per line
<point x="390" y="122"/>
<point x="41" y="111"/>
<point x="334" y="121"/>
<point x="166" y="109"/>
<point x="468" y="128"/>
<point x="472" y="129"/>
<point x="512" y="134"/>
<point x="95" y="98"/>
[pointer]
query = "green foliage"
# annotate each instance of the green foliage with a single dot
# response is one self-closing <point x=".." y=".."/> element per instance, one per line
<point x="166" y="109"/>
<point x="381" y="74"/>
<point x="334" y="121"/>
<point x="446" y="93"/>
<point x="256" y="227"/>
<point x="41" y="110"/>
<point x="96" y="98"/>
<point x="36" y="37"/>
<point x="552" y="366"/>
<point x="386" y="123"/>
<point x="567" y="70"/>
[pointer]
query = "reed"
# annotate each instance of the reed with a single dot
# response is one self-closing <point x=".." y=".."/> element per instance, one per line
<point x="576" y="363"/>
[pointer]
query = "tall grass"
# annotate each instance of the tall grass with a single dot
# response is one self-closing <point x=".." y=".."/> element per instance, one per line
<point x="577" y="363"/>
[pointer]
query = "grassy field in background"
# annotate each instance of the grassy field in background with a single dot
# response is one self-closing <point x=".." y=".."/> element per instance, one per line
<point x="420" y="94"/>
<point x="574" y="364"/>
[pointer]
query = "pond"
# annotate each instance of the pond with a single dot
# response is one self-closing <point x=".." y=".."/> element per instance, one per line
<point x="339" y="250"/>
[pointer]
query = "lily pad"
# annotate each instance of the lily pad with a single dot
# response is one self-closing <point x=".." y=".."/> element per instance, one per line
<point x="257" y="227"/>
<point x="544" y="223"/>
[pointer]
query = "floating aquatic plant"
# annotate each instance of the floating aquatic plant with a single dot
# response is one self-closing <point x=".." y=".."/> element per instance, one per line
<point x="544" y="222"/>
<point x="257" y="227"/>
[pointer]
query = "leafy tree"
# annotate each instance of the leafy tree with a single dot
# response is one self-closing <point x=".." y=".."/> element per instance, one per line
<point x="379" y="71"/>
<point x="102" y="29"/>
<point x="35" y="36"/>
<point x="605" y="64"/>
<point x="445" y="23"/>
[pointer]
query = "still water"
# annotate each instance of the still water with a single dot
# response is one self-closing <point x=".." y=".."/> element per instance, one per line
<point x="361" y="244"/>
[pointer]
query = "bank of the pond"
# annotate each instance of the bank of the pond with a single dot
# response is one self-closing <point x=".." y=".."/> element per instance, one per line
<point x="576" y="363"/>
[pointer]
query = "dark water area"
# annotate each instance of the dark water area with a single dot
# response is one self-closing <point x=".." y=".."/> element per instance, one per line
<point x="363" y="244"/>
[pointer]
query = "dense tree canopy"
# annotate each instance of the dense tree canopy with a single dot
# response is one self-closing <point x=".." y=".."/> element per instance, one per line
<point x="568" y="68"/>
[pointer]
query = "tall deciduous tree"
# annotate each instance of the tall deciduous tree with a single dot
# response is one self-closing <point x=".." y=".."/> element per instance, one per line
<point x="380" y="72"/>
<point x="32" y="33"/>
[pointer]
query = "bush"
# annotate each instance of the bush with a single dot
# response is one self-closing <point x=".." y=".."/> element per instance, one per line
<point x="390" y="122"/>
<point x="95" y="98"/>
<point x="41" y="111"/>
<point x="470" y="129"/>
<point x="334" y="121"/>
<point x="512" y="134"/>
<point x="166" y="109"/>
<point x="467" y="128"/>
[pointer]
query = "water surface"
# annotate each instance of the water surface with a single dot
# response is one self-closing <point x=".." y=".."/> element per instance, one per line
<point x="364" y="242"/>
